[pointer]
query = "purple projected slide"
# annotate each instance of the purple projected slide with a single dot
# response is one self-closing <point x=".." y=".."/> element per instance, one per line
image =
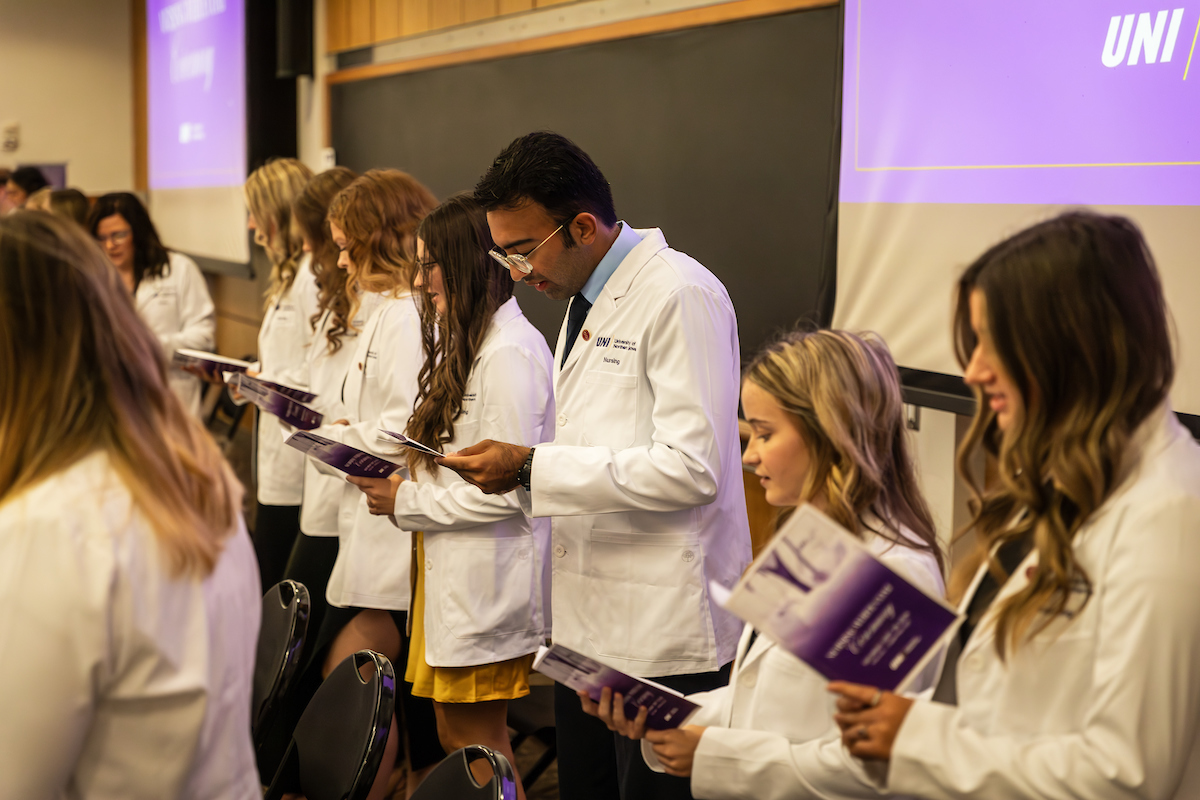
<point x="196" y="61"/>
<point x="1021" y="101"/>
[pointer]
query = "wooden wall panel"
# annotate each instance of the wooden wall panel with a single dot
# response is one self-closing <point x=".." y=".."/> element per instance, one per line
<point x="445" y="13"/>
<point x="387" y="20"/>
<point x="361" y="21"/>
<point x="476" y="10"/>
<point x="414" y="16"/>
<point x="336" y="32"/>
<point x="545" y="3"/>
<point x="514" y="6"/>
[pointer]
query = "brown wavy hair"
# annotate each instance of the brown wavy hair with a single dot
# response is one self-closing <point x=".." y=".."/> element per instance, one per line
<point x="457" y="239"/>
<point x="1076" y="313"/>
<point x="269" y="192"/>
<point x="80" y="373"/>
<point x="379" y="213"/>
<point x="309" y="211"/>
<point x="843" y="392"/>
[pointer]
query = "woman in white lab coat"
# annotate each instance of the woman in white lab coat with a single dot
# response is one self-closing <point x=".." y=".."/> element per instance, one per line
<point x="477" y="610"/>
<point x="827" y="428"/>
<point x="1080" y="667"/>
<point x="169" y="290"/>
<point x="131" y="594"/>
<point x="373" y="222"/>
<point x="283" y="343"/>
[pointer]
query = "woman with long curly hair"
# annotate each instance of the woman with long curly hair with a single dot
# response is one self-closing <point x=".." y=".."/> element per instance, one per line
<point x="477" y="610"/>
<point x="1078" y="672"/>
<point x="129" y="585"/>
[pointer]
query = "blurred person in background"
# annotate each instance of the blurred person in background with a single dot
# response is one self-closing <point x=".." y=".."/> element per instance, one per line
<point x="22" y="182"/>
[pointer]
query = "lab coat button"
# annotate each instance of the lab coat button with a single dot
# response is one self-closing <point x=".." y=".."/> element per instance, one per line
<point x="428" y="564"/>
<point x="975" y="663"/>
<point x="688" y="555"/>
<point x="562" y="420"/>
<point x="523" y="555"/>
<point x="749" y="679"/>
<point x="559" y="551"/>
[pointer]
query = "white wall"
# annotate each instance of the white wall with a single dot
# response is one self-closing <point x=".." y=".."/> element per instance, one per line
<point x="66" y="75"/>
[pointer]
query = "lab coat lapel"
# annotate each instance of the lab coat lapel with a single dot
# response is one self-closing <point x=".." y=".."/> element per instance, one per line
<point x="610" y="296"/>
<point x="1015" y="583"/>
<point x="352" y="392"/>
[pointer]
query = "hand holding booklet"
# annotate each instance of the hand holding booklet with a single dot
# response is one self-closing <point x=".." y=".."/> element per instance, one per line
<point x="818" y="592"/>
<point x="666" y="707"/>
<point x="275" y="402"/>
<point x="349" y="460"/>
<point x="211" y="364"/>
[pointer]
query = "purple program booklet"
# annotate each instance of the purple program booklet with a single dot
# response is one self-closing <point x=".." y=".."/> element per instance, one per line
<point x="349" y="460"/>
<point x="819" y="593"/>
<point x="407" y="442"/>
<point x="211" y="364"/>
<point x="290" y="411"/>
<point x="299" y="395"/>
<point x="666" y="707"/>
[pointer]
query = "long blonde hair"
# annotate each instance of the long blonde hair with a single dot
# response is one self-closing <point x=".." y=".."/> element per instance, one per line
<point x="379" y="213"/>
<point x="80" y="373"/>
<point x="270" y="191"/>
<point x="843" y="392"/>
<point x="1077" y="317"/>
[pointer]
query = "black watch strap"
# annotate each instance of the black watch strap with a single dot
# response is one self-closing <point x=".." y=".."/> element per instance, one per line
<point x="526" y="470"/>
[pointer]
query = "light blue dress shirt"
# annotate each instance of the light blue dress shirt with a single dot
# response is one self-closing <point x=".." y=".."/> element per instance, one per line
<point x="627" y="239"/>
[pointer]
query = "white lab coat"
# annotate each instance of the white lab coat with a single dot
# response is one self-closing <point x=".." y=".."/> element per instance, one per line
<point x="776" y="706"/>
<point x="373" y="563"/>
<point x="485" y="563"/>
<point x="644" y="477"/>
<point x="1104" y="704"/>
<point x="326" y="376"/>
<point x="283" y="342"/>
<point x="119" y="680"/>
<point x="179" y="310"/>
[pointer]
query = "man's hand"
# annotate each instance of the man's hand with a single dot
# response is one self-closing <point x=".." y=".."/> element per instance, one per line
<point x="676" y="748"/>
<point x="611" y="711"/>
<point x="869" y="719"/>
<point x="492" y="466"/>
<point x="380" y="492"/>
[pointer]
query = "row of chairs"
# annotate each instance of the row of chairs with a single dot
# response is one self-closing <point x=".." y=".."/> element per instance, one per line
<point x="337" y="746"/>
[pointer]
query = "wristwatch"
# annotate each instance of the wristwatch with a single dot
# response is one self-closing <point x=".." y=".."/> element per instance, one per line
<point x="526" y="470"/>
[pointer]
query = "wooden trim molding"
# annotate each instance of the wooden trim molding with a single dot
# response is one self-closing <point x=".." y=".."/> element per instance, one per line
<point x="625" y="29"/>
<point x="141" y="158"/>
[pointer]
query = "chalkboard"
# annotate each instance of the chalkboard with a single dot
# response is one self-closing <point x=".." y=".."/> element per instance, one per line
<point x="722" y="136"/>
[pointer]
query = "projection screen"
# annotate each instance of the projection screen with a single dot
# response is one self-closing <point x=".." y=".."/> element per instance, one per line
<point x="965" y="122"/>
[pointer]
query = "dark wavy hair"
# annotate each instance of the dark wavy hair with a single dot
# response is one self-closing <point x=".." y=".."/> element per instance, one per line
<point x="1076" y="313"/>
<point x="309" y="210"/>
<point x="550" y="170"/>
<point x="150" y="258"/>
<point x="457" y="239"/>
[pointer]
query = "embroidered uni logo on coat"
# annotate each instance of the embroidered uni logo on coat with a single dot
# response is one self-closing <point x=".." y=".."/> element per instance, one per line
<point x="603" y="341"/>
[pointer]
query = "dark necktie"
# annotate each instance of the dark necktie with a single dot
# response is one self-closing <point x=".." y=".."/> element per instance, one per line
<point x="575" y="317"/>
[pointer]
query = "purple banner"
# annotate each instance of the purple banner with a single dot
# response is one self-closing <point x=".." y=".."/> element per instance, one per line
<point x="1021" y="101"/>
<point x="196" y="74"/>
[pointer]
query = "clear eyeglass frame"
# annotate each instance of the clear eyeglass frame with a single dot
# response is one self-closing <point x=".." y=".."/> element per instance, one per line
<point x="116" y="237"/>
<point x="516" y="260"/>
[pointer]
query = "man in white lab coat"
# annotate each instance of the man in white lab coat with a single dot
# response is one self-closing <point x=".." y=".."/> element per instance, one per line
<point x="643" y="478"/>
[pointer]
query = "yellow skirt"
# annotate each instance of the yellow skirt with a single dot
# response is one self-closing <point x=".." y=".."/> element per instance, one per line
<point x="505" y="680"/>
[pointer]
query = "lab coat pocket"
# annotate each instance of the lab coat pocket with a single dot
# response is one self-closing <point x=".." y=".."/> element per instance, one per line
<point x="647" y="598"/>
<point x="488" y="585"/>
<point x="612" y="411"/>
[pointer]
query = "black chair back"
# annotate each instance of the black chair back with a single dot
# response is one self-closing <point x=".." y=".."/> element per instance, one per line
<point x="452" y="779"/>
<point x="285" y="610"/>
<point x="338" y="744"/>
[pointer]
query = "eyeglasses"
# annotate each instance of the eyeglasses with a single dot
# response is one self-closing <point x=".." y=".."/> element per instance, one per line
<point x="116" y="237"/>
<point x="516" y="260"/>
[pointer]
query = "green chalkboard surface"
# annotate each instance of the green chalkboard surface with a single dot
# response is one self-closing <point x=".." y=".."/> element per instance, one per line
<point x="726" y="137"/>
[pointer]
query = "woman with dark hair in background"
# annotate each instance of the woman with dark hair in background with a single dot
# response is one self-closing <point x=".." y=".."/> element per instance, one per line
<point x="283" y="343"/>
<point x="22" y="182"/>
<point x="1078" y="671"/>
<point x="478" y="607"/>
<point x="130" y="591"/>
<point x="169" y="290"/>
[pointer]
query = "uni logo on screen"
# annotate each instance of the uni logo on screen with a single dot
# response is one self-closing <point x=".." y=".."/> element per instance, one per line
<point x="1149" y="33"/>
